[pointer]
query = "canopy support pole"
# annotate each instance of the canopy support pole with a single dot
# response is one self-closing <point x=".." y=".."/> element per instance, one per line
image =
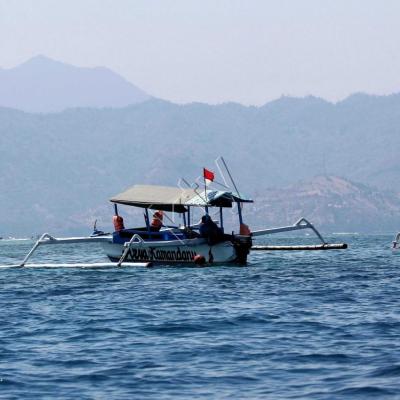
<point x="147" y="220"/>
<point x="184" y="220"/>
<point x="240" y="213"/>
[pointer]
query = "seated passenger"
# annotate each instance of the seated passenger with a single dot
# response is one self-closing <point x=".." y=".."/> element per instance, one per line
<point x="209" y="230"/>
<point x="157" y="221"/>
<point x="118" y="223"/>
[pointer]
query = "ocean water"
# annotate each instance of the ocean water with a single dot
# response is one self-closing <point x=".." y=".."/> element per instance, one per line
<point x="290" y="325"/>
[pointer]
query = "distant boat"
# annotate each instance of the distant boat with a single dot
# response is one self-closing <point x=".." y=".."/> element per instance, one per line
<point x="396" y="242"/>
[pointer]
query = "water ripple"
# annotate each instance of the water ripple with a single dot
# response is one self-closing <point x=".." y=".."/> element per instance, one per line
<point x="317" y="325"/>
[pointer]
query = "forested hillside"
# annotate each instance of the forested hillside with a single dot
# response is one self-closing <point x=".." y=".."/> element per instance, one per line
<point x="57" y="166"/>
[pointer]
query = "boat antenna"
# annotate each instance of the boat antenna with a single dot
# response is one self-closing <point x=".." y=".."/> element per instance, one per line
<point x="230" y="176"/>
<point x="194" y="188"/>
<point x="220" y="184"/>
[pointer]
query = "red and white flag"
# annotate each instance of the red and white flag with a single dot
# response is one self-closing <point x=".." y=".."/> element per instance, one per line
<point x="208" y="176"/>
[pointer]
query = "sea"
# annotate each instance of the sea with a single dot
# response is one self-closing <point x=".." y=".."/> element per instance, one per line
<point x="289" y="325"/>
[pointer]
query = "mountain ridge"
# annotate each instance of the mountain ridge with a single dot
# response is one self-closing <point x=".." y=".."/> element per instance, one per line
<point x="41" y="84"/>
<point x="62" y="164"/>
<point x="333" y="204"/>
<point x="40" y="63"/>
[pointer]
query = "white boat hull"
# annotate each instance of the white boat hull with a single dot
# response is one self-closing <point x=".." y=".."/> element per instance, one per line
<point x="177" y="252"/>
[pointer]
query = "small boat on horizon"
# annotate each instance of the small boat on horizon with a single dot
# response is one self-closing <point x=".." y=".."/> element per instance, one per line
<point x="396" y="242"/>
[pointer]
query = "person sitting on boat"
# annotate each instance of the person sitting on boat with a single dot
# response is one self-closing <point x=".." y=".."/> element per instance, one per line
<point x="209" y="230"/>
<point x="157" y="221"/>
<point x="118" y="222"/>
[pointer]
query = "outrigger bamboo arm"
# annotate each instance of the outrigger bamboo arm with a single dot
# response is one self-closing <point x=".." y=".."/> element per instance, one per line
<point x="135" y="238"/>
<point x="302" y="223"/>
<point x="48" y="239"/>
<point x="326" y="246"/>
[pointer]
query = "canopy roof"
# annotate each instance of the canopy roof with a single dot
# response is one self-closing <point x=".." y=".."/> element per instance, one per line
<point x="175" y="199"/>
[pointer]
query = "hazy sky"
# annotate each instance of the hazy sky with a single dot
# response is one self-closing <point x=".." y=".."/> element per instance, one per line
<point x="216" y="50"/>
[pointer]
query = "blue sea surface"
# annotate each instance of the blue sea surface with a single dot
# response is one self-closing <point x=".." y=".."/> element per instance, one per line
<point x="290" y="325"/>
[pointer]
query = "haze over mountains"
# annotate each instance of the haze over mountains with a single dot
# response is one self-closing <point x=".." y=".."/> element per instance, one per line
<point x="59" y="169"/>
<point x="45" y="85"/>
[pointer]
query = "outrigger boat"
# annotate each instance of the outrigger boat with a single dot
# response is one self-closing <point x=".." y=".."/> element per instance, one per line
<point x="178" y="244"/>
<point x="189" y="243"/>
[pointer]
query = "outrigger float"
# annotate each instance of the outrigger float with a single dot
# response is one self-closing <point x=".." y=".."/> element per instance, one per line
<point x="189" y="243"/>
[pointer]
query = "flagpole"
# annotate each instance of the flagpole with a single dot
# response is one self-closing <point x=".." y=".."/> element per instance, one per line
<point x="205" y="190"/>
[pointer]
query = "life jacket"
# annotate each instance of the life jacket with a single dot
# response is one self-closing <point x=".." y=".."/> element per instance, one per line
<point x="118" y="222"/>
<point x="157" y="220"/>
<point x="244" y="230"/>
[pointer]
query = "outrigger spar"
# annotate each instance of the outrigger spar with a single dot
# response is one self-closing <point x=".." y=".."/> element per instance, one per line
<point x="189" y="243"/>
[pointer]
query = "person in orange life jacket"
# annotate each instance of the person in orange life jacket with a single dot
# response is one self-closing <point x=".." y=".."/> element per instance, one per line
<point x="157" y="221"/>
<point x="209" y="230"/>
<point x="118" y="223"/>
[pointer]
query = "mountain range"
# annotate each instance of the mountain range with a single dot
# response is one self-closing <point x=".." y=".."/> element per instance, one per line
<point x="60" y="168"/>
<point x="333" y="203"/>
<point x="45" y="85"/>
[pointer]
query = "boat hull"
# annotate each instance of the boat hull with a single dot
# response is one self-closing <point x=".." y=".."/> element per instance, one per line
<point x="173" y="252"/>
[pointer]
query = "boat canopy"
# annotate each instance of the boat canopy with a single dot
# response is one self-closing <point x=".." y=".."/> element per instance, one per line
<point x="174" y="199"/>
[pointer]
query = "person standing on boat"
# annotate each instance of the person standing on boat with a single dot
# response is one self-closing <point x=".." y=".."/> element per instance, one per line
<point x="157" y="221"/>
